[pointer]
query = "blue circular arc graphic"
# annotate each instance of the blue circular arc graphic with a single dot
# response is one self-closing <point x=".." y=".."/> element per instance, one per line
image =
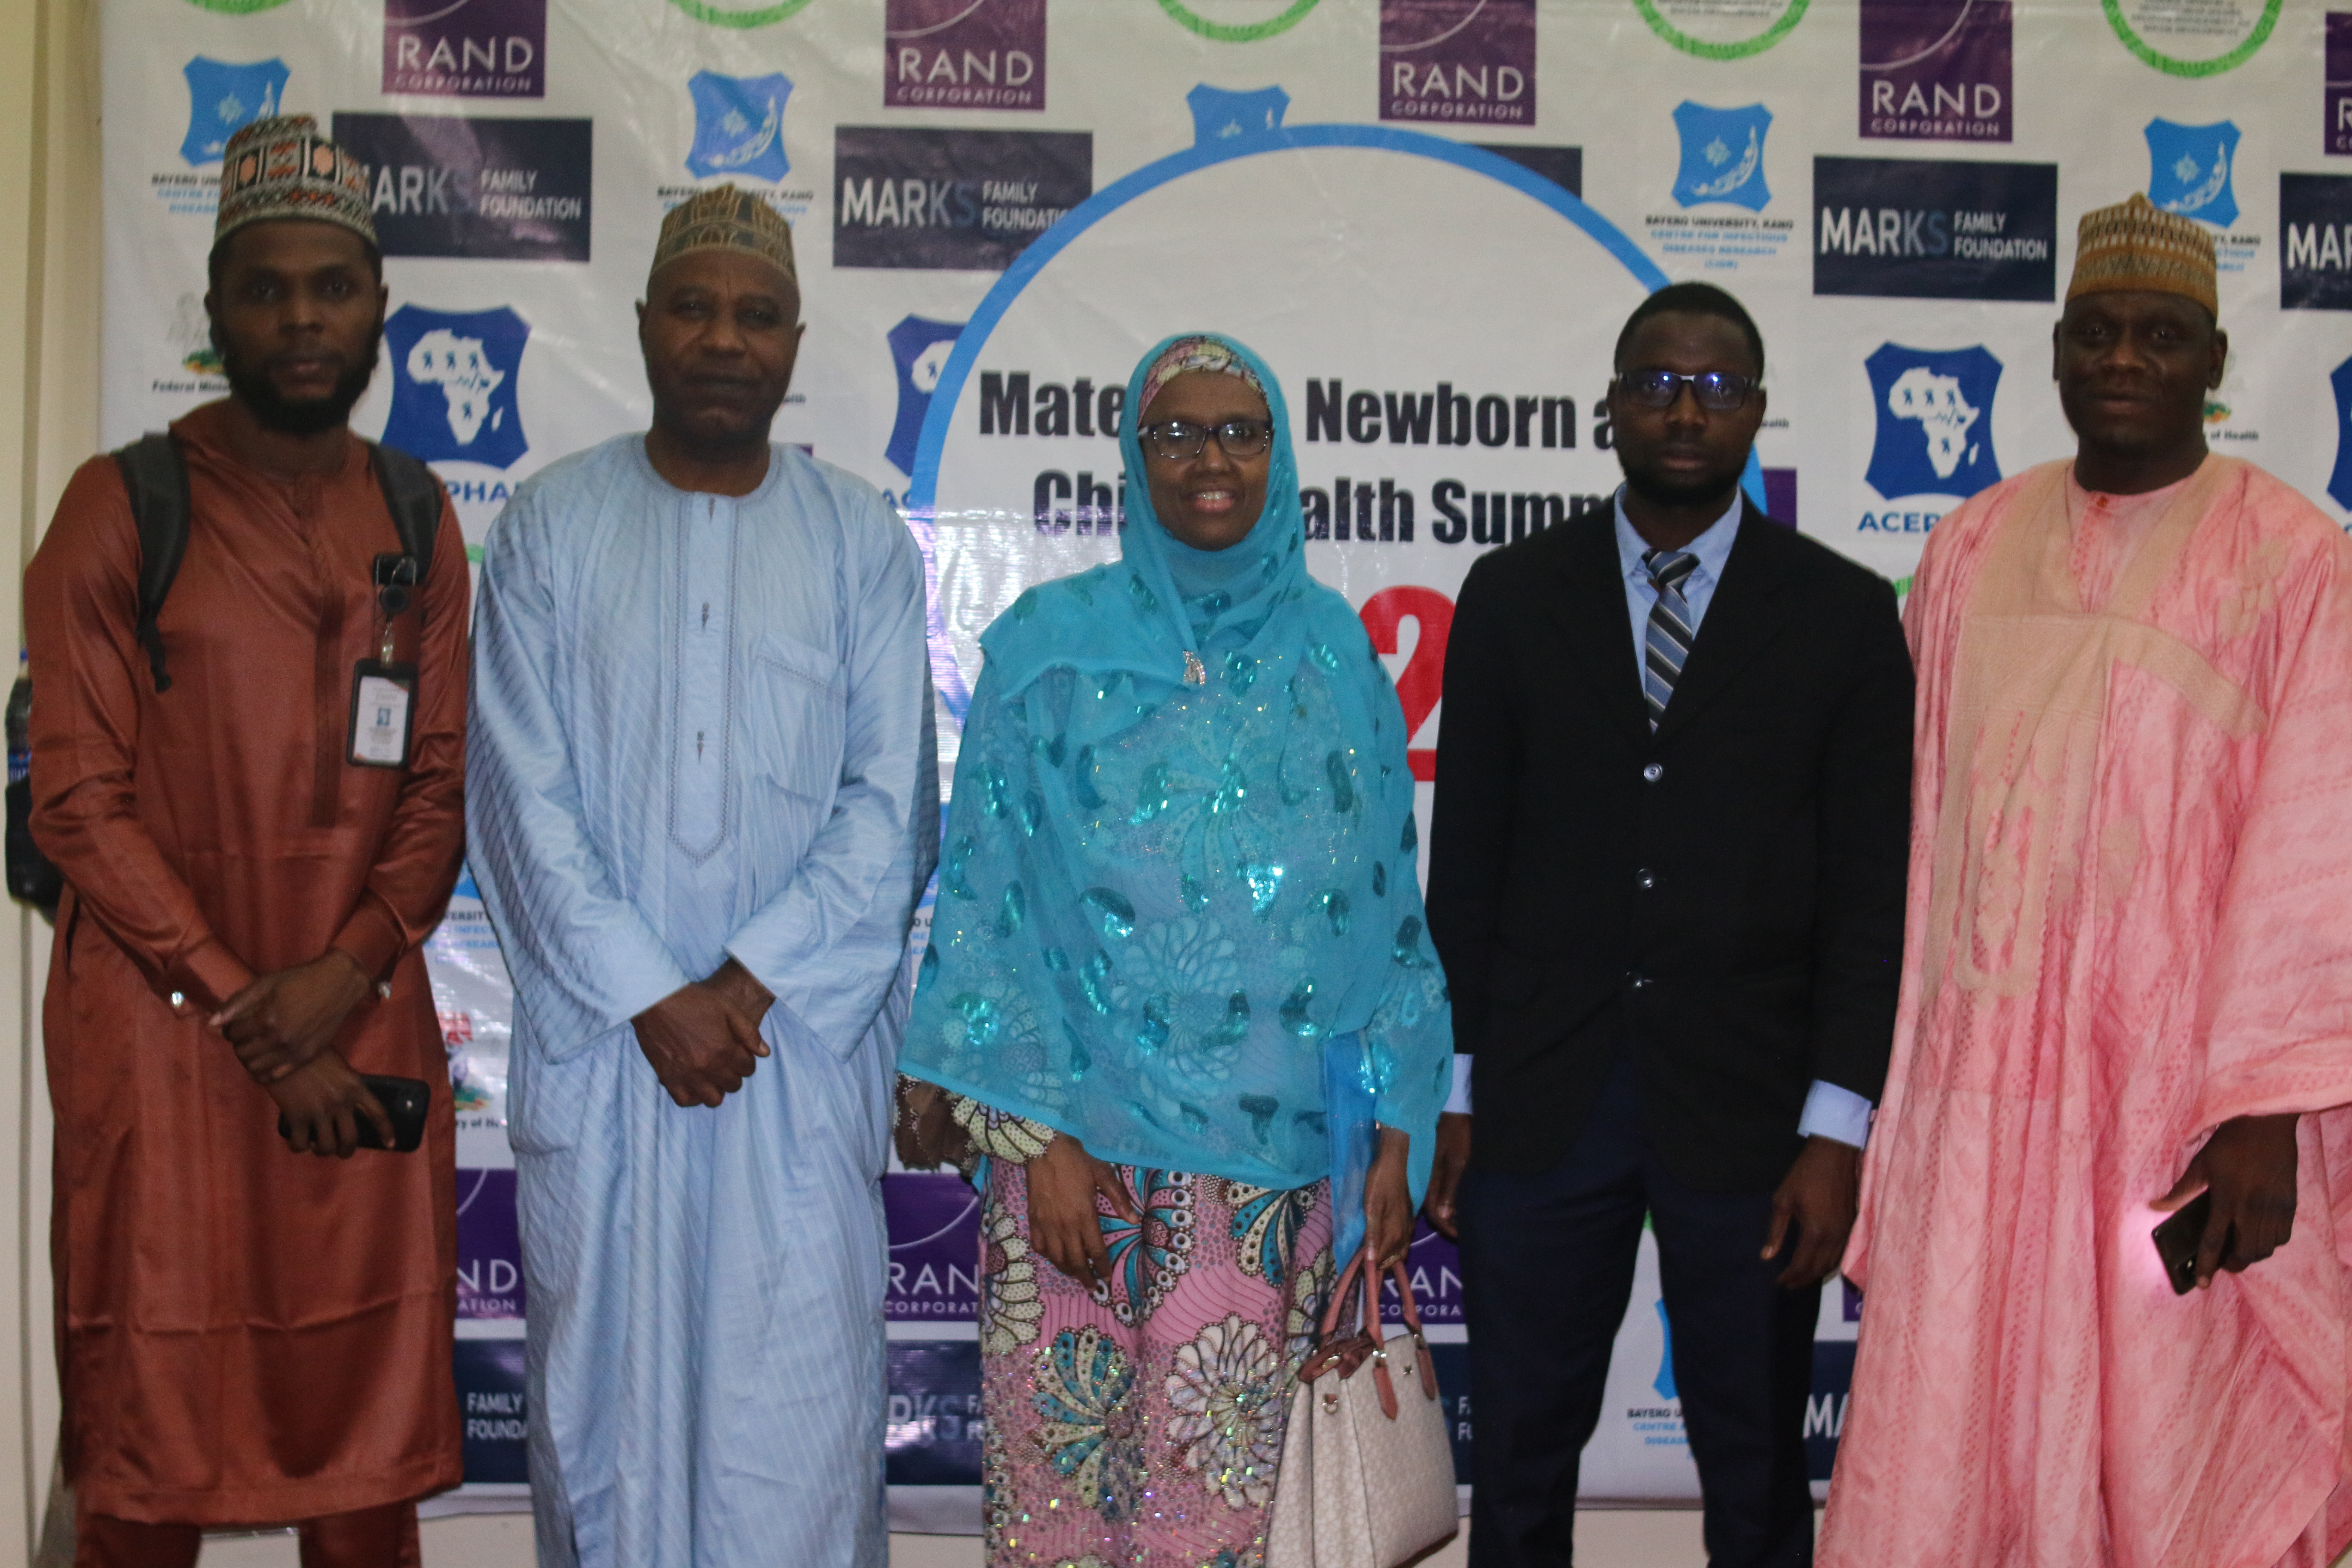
<point x="922" y="493"/>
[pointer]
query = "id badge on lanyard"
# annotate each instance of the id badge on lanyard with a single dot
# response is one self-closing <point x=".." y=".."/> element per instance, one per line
<point x="383" y="691"/>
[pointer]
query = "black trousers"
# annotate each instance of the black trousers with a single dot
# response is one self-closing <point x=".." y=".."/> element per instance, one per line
<point x="1547" y="1267"/>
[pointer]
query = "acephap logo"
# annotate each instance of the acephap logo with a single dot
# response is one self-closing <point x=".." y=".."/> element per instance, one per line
<point x="1934" y="415"/>
<point x="1924" y="228"/>
<point x="455" y="375"/>
<point x="965" y="200"/>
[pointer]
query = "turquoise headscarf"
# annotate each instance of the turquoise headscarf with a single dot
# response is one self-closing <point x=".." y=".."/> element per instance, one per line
<point x="1160" y="899"/>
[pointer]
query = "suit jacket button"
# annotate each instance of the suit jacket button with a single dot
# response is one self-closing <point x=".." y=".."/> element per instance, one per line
<point x="1650" y="774"/>
<point x="1639" y="980"/>
<point x="1645" y="878"/>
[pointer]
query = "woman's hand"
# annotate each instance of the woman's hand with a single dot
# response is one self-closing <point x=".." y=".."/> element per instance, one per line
<point x="1387" y="1200"/>
<point x="1064" y="1182"/>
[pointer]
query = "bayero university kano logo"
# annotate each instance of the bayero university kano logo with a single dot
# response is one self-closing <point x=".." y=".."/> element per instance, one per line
<point x="1934" y="429"/>
<point x="2190" y="168"/>
<point x="223" y="99"/>
<point x="1723" y="155"/>
<point x="739" y="126"/>
<point x="454" y="375"/>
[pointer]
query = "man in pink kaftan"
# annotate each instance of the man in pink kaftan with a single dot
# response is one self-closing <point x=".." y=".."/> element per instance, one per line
<point x="2127" y="979"/>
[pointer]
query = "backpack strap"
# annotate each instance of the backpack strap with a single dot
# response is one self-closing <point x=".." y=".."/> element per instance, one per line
<point x="412" y="495"/>
<point x="155" y="476"/>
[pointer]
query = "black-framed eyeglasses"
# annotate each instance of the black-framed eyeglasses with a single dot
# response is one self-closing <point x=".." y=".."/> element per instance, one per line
<point x="1719" y="390"/>
<point x="1180" y="441"/>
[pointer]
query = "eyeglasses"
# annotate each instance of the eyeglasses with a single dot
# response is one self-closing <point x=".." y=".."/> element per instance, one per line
<point x="1178" y="441"/>
<point x="1719" y="390"/>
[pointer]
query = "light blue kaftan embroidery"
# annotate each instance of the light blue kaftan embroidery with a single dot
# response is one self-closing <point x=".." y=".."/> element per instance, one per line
<point x="701" y="726"/>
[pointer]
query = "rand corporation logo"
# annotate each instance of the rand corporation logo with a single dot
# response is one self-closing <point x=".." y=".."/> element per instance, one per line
<point x="225" y="99"/>
<point x="1934" y="410"/>
<point x="1462" y="60"/>
<point x="962" y="200"/>
<point x="449" y="186"/>
<point x="2315" y="260"/>
<point x="964" y="53"/>
<point x="1936" y="70"/>
<point x="739" y="126"/>
<point x="453" y="384"/>
<point x="2188" y="170"/>
<point x="1723" y="155"/>
<point x="1918" y="229"/>
<point x="472" y="48"/>
<point x="919" y="350"/>
<point x="2338" y="136"/>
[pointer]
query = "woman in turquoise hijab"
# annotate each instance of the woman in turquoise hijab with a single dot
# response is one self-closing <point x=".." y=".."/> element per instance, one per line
<point x="1178" y="984"/>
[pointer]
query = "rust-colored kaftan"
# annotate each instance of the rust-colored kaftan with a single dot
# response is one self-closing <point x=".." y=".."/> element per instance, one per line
<point x="244" y="1334"/>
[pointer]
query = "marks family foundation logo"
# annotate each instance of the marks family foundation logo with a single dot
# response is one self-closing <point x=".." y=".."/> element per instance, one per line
<point x="739" y="126"/>
<point x="2188" y="170"/>
<point x="964" y="53"/>
<point x="2192" y="38"/>
<point x="1934" y="410"/>
<point x="225" y="99"/>
<point x="466" y="49"/>
<point x="919" y="351"/>
<point x="1723" y="155"/>
<point x="962" y="200"/>
<point x="2315" y="261"/>
<point x="454" y="377"/>
<point x="1936" y="70"/>
<point x="1721" y="30"/>
<point x="1930" y="229"/>
<point x="447" y="185"/>
<point x="1238" y="21"/>
<point x="1468" y="60"/>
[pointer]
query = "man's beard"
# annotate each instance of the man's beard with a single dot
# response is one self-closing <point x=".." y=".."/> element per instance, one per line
<point x="251" y="385"/>
<point x="1682" y="491"/>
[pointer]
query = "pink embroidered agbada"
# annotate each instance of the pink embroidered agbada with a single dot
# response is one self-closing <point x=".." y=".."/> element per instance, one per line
<point x="2130" y="920"/>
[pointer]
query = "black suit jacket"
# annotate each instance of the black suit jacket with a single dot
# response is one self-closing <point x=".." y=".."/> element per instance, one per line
<point x="1722" y="900"/>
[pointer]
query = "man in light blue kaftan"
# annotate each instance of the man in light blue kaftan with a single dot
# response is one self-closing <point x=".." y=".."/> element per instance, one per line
<point x="702" y="732"/>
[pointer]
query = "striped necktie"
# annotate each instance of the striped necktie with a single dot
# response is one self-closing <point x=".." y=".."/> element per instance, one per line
<point x="1667" y="642"/>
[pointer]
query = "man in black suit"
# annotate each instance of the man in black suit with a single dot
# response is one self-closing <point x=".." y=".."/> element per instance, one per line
<point x="1667" y="879"/>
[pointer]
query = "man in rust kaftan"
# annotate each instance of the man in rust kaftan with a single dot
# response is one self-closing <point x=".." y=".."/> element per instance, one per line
<point x="247" y="1334"/>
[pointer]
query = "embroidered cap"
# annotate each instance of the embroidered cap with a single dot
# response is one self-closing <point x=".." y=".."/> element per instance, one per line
<point x="282" y="167"/>
<point x="2137" y="244"/>
<point x="726" y="217"/>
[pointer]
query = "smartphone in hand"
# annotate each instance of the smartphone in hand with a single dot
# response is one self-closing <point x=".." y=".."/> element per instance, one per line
<point x="405" y="1100"/>
<point x="2177" y="1239"/>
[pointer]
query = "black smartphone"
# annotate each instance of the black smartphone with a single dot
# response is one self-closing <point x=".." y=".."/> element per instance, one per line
<point x="2177" y="1239"/>
<point x="405" y="1099"/>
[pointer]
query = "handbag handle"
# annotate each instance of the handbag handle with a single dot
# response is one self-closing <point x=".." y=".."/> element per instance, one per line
<point x="1367" y="1343"/>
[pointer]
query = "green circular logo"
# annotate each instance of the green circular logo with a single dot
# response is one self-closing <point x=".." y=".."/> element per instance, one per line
<point x="1693" y="11"/>
<point x="236" y="7"/>
<point x="719" y="17"/>
<point x="1237" y="32"/>
<point x="2158" y="17"/>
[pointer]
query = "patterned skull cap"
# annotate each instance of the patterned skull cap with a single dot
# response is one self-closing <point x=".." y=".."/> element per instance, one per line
<point x="726" y="217"/>
<point x="282" y="167"/>
<point x="1202" y="351"/>
<point x="2137" y="244"/>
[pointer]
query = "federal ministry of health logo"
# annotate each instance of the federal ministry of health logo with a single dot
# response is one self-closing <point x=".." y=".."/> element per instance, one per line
<point x="1935" y="421"/>
<point x="225" y="99"/>
<point x="1723" y="155"/>
<point x="739" y="126"/>
<point x="453" y="384"/>
<point x="2190" y="168"/>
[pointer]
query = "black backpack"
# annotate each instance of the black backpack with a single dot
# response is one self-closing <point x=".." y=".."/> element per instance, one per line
<point x="155" y="476"/>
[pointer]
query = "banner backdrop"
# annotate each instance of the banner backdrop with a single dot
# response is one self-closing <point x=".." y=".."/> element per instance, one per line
<point x="1431" y="217"/>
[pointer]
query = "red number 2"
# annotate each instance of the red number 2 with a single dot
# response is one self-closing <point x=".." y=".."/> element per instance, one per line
<point x="1423" y="680"/>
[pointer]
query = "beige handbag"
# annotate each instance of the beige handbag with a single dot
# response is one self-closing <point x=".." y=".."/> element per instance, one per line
<point x="1367" y="1476"/>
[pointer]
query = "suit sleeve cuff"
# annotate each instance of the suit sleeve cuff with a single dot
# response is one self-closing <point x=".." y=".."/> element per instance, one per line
<point x="208" y="975"/>
<point x="1834" y="1113"/>
<point x="1458" y="1102"/>
<point x="372" y="937"/>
